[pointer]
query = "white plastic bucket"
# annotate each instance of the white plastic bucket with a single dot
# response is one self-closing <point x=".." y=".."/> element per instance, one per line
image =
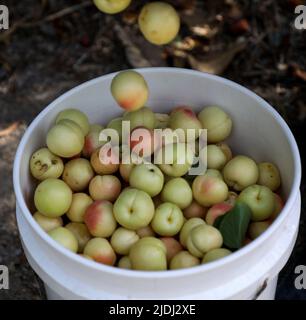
<point x="249" y="273"/>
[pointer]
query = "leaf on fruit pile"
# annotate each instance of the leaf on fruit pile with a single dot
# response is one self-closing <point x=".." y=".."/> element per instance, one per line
<point x="234" y="225"/>
<point x="219" y="62"/>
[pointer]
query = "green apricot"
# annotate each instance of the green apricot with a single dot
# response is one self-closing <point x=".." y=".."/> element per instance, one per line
<point x="52" y="198"/>
<point x="64" y="237"/>
<point x="215" y="254"/>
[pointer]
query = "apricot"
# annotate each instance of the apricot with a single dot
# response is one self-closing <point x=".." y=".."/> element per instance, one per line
<point x="65" y="238"/>
<point x="215" y="254"/>
<point x="195" y="210"/>
<point x="105" y="160"/>
<point x="92" y="140"/>
<point x="77" y="174"/>
<point x="185" y="118"/>
<point x="216" y="211"/>
<point x="112" y="6"/>
<point x="47" y="224"/>
<point x="81" y="233"/>
<point x="173" y="247"/>
<point x="76" y="116"/>
<point x="44" y="164"/>
<point x="240" y="172"/>
<point x="209" y="190"/>
<point x="99" y="219"/>
<point x="143" y="117"/>
<point x="65" y="139"/>
<point x="105" y="187"/>
<point x="52" y="197"/>
<point x="183" y="259"/>
<point x="100" y="250"/>
<point x="159" y="22"/>
<point x="80" y="202"/>
<point x="269" y="175"/>
<point x="130" y="90"/>
<point x="217" y="123"/>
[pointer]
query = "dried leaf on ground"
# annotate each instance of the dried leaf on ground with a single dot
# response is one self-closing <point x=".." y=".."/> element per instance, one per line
<point x="217" y="63"/>
<point x="9" y="129"/>
<point x="298" y="72"/>
<point x="133" y="53"/>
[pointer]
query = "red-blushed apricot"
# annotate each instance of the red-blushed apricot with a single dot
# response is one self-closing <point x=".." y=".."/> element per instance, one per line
<point x="185" y="118"/>
<point x="105" y="187"/>
<point x="143" y="142"/>
<point x="92" y="140"/>
<point x="159" y="22"/>
<point x="195" y="210"/>
<point x="80" y="202"/>
<point x="99" y="219"/>
<point x="76" y="116"/>
<point x="172" y="246"/>
<point x="52" y="198"/>
<point x="208" y="190"/>
<point x="100" y="250"/>
<point x="77" y="174"/>
<point x="81" y="233"/>
<point x="64" y="237"/>
<point x="130" y="90"/>
<point x="112" y="6"/>
<point x="46" y="223"/>
<point x="44" y="164"/>
<point x="105" y="161"/>
<point x="216" y="211"/>
<point x="183" y="259"/>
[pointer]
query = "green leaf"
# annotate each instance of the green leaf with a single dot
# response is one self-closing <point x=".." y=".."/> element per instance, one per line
<point x="234" y="225"/>
<point x="218" y="221"/>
